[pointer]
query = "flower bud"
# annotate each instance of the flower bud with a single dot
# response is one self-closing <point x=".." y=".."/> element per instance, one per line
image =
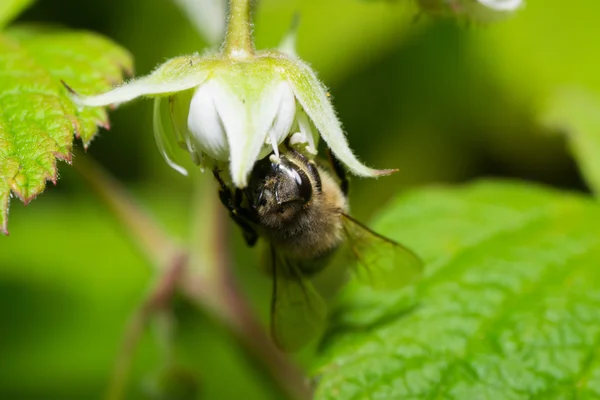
<point x="241" y="110"/>
<point x="232" y="119"/>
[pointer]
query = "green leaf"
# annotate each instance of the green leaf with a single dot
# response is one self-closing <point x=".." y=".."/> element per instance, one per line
<point x="37" y="117"/>
<point x="84" y="60"/>
<point x="11" y="8"/>
<point x="575" y="112"/>
<point x="508" y="309"/>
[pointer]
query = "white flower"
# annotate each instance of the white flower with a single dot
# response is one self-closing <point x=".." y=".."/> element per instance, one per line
<point x="476" y="10"/>
<point x="242" y="109"/>
<point x="502" y="5"/>
<point x="226" y="126"/>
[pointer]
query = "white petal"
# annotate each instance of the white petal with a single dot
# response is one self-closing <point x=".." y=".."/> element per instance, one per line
<point x="306" y="130"/>
<point x="502" y="5"/>
<point x="205" y="123"/>
<point x="285" y="114"/>
<point x="179" y="105"/>
<point x="179" y="109"/>
<point x="231" y="117"/>
<point x="313" y="98"/>
<point x="177" y="74"/>
<point x="270" y="113"/>
<point x="161" y="140"/>
<point x="491" y="10"/>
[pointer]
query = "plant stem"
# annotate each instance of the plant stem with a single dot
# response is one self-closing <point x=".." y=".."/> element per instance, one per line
<point x="150" y="238"/>
<point x="204" y="276"/>
<point x="158" y="300"/>
<point x="212" y="253"/>
<point x="238" y="39"/>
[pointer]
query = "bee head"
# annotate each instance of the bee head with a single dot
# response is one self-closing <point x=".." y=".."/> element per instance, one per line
<point x="279" y="186"/>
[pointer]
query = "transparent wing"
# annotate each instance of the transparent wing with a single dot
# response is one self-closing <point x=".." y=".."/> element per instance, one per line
<point x="381" y="262"/>
<point x="298" y="312"/>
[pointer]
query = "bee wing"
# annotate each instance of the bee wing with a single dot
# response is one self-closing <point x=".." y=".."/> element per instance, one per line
<point x="382" y="263"/>
<point x="298" y="312"/>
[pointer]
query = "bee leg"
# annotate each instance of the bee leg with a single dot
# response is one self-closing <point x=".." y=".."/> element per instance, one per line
<point x="224" y="192"/>
<point x="233" y="205"/>
<point x="250" y="235"/>
<point x="340" y="171"/>
<point x="240" y="210"/>
<point x="244" y="219"/>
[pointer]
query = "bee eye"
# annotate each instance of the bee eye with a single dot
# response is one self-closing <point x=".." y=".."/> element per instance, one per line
<point x="294" y="184"/>
<point x="304" y="185"/>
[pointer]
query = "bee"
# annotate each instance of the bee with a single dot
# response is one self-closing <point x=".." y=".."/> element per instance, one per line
<point x="301" y="211"/>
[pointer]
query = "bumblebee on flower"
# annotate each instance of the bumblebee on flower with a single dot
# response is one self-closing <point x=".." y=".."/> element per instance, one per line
<point x="232" y="109"/>
<point x="241" y="105"/>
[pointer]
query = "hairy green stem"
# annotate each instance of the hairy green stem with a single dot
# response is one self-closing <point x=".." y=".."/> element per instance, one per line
<point x="238" y="39"/>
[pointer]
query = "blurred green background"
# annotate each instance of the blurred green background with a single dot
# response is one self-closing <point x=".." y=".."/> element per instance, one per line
<point x="442" y="101"/>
